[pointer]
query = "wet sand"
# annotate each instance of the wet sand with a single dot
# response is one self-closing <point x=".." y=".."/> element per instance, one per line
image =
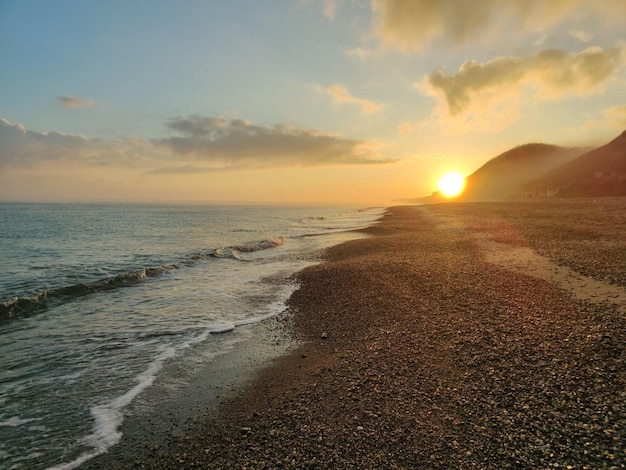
<point x="457" y="336"/>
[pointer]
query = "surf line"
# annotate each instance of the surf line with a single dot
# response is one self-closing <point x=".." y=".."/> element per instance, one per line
<point x="108" y="417"/>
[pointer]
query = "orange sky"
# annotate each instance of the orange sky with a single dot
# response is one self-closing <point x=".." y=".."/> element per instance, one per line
<point x="316" y="101"/>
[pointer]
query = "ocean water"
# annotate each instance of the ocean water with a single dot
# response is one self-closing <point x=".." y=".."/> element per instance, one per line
<point x="97" y="302"/>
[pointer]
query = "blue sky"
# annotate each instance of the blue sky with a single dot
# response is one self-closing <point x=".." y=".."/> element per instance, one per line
<point x="294" y="100"/>
<point x="145" y="62"/>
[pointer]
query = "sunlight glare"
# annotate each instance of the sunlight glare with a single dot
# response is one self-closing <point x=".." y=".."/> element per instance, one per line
<point x="451" y="184"/>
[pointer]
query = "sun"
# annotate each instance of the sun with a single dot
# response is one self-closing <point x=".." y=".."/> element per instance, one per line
<point x="451" y="184"/>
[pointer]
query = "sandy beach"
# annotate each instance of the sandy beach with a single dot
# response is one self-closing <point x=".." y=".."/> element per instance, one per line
<point x="479" y="335"/>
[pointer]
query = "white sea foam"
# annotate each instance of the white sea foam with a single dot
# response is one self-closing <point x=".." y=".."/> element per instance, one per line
<point x="16" y="421"/>
<point x="38" y="428"/>
<point x="65" y="378"/>
<point x="108" y="417"/>
<point x="222" y="328"/>
<point x="255" y="320"/>
<point x="176" y="310"/>
<point x="262" y="245"/>
<point x="275" y="308"/>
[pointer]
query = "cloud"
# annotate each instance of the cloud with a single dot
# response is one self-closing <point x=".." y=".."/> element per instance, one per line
<point x="74" y="102"/>
<point x="341" y="95"/>
<point x="330" y="6"/>
<point x="493" y="113"/>
<point x="615" y="116"/>
<point x="405" y="128"/>
<point x="551" y="73"/>
<point x="237" y="143"/>
<point x="20" y="147"/>
<point x="581" y="35"/>
<point x="413" y="24"/>
<point x="359" y="53"/>
<point x="183" y="170"/>
<point x="205" y="144"/>
<point x="540" y="41"/>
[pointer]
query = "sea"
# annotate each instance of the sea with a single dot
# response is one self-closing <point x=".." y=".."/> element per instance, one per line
<point x="100" y="302"/>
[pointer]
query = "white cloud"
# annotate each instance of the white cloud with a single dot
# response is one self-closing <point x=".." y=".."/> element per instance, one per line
<point x="540" y="41"/>
<point x="581" y="35"/>
<point x="405" y="128"/>
<point x="74" y="102"/>
<point x="359" y="53"/>
<point x="330" y="6"/>
<point x="340" y="95"/>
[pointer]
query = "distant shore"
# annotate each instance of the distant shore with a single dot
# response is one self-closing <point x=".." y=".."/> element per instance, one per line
<point x="479" y="335"/>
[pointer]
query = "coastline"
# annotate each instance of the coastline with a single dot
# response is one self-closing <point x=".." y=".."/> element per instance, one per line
<point x="418" y="350"/>
<point x="201" y="396"/>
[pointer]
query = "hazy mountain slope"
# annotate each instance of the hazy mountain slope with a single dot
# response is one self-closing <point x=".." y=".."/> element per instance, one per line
<point x="505" y="176"/>
<point x="599" y="172"/>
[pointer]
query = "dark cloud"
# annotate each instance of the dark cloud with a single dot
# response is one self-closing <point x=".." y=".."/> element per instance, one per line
<point x="219" y="144"/>
<point x="21" y="147"/>
<point x="238" y="143"/>
<point x="413" y="24"/>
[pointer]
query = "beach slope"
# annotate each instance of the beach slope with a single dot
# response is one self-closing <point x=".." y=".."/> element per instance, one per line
<point x="487" y="335"/>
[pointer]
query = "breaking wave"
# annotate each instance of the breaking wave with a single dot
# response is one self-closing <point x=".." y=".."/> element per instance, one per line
<point x="20" y="307"/>
<point x="262" y="245"/>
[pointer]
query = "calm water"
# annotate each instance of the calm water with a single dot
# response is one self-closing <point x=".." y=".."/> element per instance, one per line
<point x="96" y="299"/>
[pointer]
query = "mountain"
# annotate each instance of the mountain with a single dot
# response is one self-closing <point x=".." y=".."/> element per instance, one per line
<point x="506" y="175"/>
<point x="541" y="170"/>
<point x="599" y="172"/>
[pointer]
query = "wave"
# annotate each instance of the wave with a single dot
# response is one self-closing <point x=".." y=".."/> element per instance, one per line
<point x="16" y="421"/>
<point x="262" y="245"/>
<point x="26" y="306"/>
<point x="329" y="231"/>
<point x="307" y="220"/>
<point x="20" y="307"/>
<point x="108" y="417"/>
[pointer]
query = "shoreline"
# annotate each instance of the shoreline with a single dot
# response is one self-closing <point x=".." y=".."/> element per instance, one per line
<point x="204" y="392"/>
<point x="419" y="351"/>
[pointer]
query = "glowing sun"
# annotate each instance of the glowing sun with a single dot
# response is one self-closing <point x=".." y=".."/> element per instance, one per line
<point x="451" y="184"/>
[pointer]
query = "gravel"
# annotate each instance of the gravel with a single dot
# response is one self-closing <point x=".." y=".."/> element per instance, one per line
<point x="418" y="353"/>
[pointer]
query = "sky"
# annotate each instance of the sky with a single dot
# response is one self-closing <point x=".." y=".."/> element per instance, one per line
<point x="294" y="101"/>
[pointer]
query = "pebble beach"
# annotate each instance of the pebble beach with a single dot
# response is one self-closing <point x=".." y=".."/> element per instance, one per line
<point x="477" y="335"/>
